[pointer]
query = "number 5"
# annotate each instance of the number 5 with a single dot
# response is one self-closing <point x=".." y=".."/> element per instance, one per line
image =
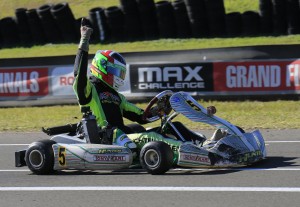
<point x="62" y="156"/>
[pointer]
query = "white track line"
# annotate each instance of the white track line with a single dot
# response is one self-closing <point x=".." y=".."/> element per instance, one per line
<point x="190" y="169"/>
<point x="284" y="141"/>
<point x="154" y="188"/>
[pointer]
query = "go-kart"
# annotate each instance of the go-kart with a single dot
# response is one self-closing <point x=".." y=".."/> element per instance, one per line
<point x="84" y="149"/>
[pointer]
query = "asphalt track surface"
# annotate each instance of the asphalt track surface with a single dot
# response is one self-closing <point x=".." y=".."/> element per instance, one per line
<point x="273" y="182"/>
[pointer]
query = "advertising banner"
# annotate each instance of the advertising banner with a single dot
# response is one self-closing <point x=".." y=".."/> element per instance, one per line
<point x="188" y="77"/>
<point x="52" y="84"/>
<point x="23" y="82"/>
<point x="62" y="81"/>
<point x="253" y="76"/>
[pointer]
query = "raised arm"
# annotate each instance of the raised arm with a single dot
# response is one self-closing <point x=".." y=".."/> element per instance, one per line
<point x="81" y="84"/>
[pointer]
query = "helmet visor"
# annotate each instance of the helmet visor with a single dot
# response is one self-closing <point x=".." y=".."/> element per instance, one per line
<point x="116" y="70"/>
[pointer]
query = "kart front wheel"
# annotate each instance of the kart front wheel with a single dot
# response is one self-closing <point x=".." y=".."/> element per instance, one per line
<point x="39" y="157"/>
<point x="156" y="157"/>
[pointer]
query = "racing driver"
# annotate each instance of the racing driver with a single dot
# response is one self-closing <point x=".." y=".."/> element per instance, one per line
<point x="100" y="92"/>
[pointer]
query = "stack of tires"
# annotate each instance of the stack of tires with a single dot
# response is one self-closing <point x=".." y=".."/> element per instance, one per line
<point x="35" y="27"/>
<point x="165" y="17"/>
<point x="9" y="32"/>
<point x="215" y="11"/>
<point x="65" y="21"/>
<point x="147" y="12"/>
<point x="50" y="28"/>
<point x="279" y="17"/>
<point x="183" y="28"/>
<point x="115" y="21"/>
<point x="250" y="23"/>
<point x="234" y="24"/>
<point x="23" y="26"/>
<point x="46" y="24"/>
<point x="133" y="27"/>
<point x="197" y="16"/>
<point x="266" y="16"/>
<point x="98" y="22"/>
<point x="293" y="16"/>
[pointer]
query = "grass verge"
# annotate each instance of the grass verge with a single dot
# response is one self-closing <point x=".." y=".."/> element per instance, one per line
<point x="246" y="114"/>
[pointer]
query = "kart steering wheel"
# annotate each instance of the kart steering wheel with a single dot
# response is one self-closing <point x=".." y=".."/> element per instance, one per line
<point x="163" y="106"/>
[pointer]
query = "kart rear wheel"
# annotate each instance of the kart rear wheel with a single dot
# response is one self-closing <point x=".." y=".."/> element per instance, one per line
<point x="156" y="157"/>
<point x="39" y="157"/>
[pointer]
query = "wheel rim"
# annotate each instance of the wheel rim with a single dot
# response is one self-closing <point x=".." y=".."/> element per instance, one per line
<point x="36" y="158"/>
<point x="152" y="158"/>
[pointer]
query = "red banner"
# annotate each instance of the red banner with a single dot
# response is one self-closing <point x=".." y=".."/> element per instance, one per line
<point x="24" y="82"/>
<point x="257" y="76"/>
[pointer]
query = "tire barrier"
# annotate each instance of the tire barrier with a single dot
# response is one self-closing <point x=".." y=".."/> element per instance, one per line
<point x="35" y="26"/>
<point x="97" y="19"/>
<point x="23" y="26"/>
<point x="52" y="32"/>
<point x="183" y="28"/>
<point x="250" y="23"/>
<point x="266" y="17"/>
<point x="165" y="17"/>
<point x="234" y="24"/>
<point x="216" y="17"/>
<point x="293" y="16"/>
<point x="115" y="21"/>
<point x="147" y="20"/>
<point x="133" y="25"/>
<point x="197" y="16"/>
<point x="279" y="17"/>
<point x="65" y="21"/>
<point x="148" y="17"/>
<point x="9" y="32"/>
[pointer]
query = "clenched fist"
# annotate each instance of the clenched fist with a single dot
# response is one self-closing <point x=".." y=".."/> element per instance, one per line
<point x="86" y="33"/>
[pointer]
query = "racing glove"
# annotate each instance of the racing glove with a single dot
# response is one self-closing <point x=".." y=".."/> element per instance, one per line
<point x="85" y="32"/>
<point x="211" y="110"/>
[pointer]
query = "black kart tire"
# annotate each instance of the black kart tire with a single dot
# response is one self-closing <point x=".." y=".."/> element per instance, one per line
<point x="156" y="157"/>
<point x="39" y="157"/>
